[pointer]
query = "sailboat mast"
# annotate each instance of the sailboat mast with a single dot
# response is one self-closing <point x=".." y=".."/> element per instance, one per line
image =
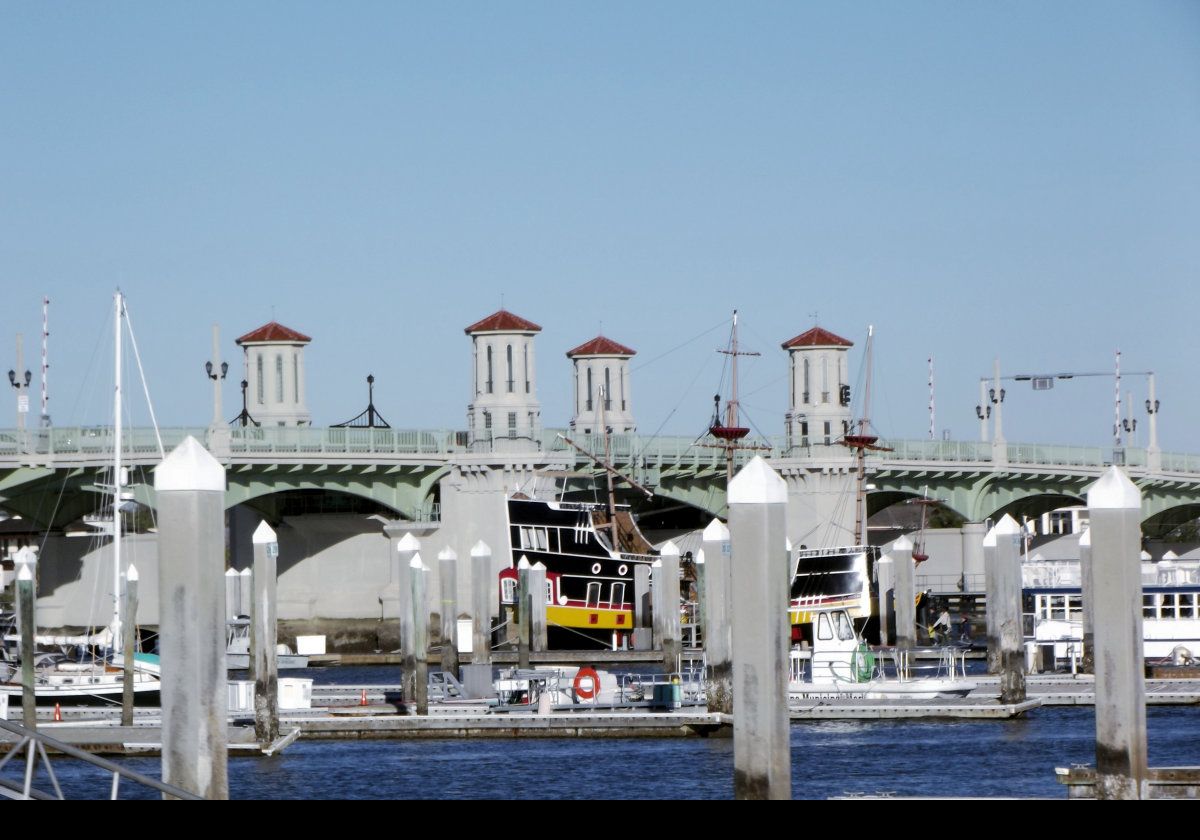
<point x="864" y="422"/>
<point x="612" y="499"/>
<point x="118" y="305"/>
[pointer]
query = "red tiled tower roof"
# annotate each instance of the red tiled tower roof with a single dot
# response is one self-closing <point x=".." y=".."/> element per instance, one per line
<point x="274" y="331"/>
<point x="817" y="337"/>
<point x="601" y="346"/>
<point x="502" y="321"/>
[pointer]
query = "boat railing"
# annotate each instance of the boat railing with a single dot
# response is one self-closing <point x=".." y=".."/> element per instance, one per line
<point x="948" y="662"/>
<point x="34" y="744"/>
<point x="635" y="688"/>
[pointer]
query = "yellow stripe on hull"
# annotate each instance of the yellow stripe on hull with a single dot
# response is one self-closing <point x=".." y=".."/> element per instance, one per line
<point x="588" y="618"/>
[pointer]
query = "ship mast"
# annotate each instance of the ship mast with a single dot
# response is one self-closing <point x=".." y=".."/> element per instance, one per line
<point x="118" y="308"/>
<point x="860" y="442"/>
<point x="612" y="501"/>
<point x="731" y="432"/>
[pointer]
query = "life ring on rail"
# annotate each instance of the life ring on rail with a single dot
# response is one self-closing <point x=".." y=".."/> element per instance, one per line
<point x="586" y="674"/>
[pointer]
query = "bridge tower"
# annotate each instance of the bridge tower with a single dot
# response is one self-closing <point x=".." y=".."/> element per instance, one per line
<point x="602" y="368"/>
<point x="276" y="393"/>
<point x="819" y="403"/>
<point x="505" y="414"/>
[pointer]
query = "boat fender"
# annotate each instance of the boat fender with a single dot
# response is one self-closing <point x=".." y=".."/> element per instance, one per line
<point x="586" y="674"/>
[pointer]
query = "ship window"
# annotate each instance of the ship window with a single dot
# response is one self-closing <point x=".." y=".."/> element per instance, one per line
<point x="617" y="598"/>
<point x="1187" y="605"/>
<point x="534" y="538"/>
<point x="1148" y="608"/>
<point x="508" y="590"/>
<point x="845" y="630"/>
<point x="549" y="592"/>
<point x="824" y="631"/>
<point x="1168" y="605"/>
<point x="593" y="594"/>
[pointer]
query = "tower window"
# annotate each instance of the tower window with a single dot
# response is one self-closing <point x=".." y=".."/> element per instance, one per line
<point x="509" y="360"/>
<point x="489" y="370"/>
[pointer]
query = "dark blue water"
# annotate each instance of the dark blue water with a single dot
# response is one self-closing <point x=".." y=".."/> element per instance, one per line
<point x="1012" y="758"/>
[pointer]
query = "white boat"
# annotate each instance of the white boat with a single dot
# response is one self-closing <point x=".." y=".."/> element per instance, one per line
<point x="94" y="676"/>
<point x="237" y="649"/>
<point x="840" y="665"/>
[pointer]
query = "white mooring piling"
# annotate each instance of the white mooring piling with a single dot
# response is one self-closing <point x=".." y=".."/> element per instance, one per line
<point x="448" y="583"/>
<point x="717" y="597"/>
<point x="1088" y="663"/>
<point x="669" y="622"/>
<point x="128" y="638"/>
<point x="990" y="588"/>
<point x="1114" y="513"/>
<point x="1006" y="598"/>
<point x="481" y="603"/>
<point x="406" y="549"/>
<point x="537" y="610"/>
<point x="27" y="622"/>
<point x="419" y="579"/>
<point x="885" y="581"/>
<point x="264" y="664"/>
<point x="757" y="528"/>
<point x="522" y="612"/>
<point x="642" y="608"/>
<point x="906" y="592"/>
<point x="189" y="488"/>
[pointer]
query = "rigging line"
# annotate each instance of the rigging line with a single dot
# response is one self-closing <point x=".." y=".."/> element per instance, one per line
<point x="142" y="374"/>
<point x="671" y="414"/>
<point x="691" y="340"/>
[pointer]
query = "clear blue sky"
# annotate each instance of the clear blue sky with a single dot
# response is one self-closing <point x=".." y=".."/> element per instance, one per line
<point x="1018" y="180"/>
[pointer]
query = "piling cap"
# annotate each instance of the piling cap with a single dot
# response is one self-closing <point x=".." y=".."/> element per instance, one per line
<point x="989" y="539"/>
<point x="1145" y="555"/>
<point x="1170" y="555"/>
<point x="1085" y="537"/>
<point x="669" y="549"/>
<point x="245" y="572"/>
<point x="787" y="543"/>
<point x="716" y="532"/>
<point x="1114" y="490"/>
<point x="189" y="467"/>
<point x="1007" y="527"/>
<point x="903" y="544"/>
<point x="264" y="534"/>
<point x="481" y="549"/>
<point x="698" y="557"/>
<point x="408" y="543"/>
<point x="523" y="563"/>
<point x="131" y="574"/>
<point x="231" y="572"/>
<point x="539" y="566"/>
<point x="757" y="484"/>
<point x="447" y="553"/>
<point x="657" y="564"/>
<point x="26" y="556"/>
<point x="25" y="572"/>
<point x="415" y="563"/>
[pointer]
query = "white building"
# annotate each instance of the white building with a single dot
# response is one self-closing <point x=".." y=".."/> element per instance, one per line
<point x="276" y="394"/>
<point x="602" y="382"/>
<point x="505" y="413"/>
<point x="819" y="401"/>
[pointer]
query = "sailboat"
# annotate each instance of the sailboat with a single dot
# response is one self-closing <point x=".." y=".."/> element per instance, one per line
<point x="98" y="678"/>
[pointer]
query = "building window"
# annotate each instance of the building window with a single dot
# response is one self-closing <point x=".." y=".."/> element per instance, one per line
<point x="279" y="377"/>
<point x="622" y="375"/>
<point x="824" y="380"/>
<point x="296" y="377"/>
<point x="525" y="359"/>
<point x="259" y="383"/>
<point x="489" y="370"/>
<point x="804" y="433"/>
<point x="607" y="390"/>
<point x="508" y="355"/>
<point x="512" y="424"/>
<point x="589" y="389"/>
<point x="806" y="389"/>
<point x="828" y="433"/>
<point x="487" y="421"/>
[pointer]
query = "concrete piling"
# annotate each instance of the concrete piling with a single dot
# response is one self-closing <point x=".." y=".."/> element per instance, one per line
<point x="419" y="577"/>
<point x="481" y="603"/>
<point x="522" y="612"/>
<point x="906" y="592"/>
<point x="406" y="549"/>
<point x="668" y="603"/>
<point x="233" y="594"/>
<point x="264" y="665"/>
<point x="537" y="609"/>
<point x="189" y="488"/>
<point x="245" y="591"/>
<point x="128" y="638"/>
<point x="1114" y="512"/>
<point x="1007" y="603"/>
<point x="757" y="522"/>
<point x="991" y="588"/>
<point x="27" y="623"/>
<point x="448" y="582"/>
<point x="717" y="597"/>
<point x="885" y="578"/>
<point x="1088" y="663"/>
<point x="642" y="608"/>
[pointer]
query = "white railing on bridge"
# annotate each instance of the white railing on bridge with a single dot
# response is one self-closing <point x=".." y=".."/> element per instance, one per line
<point x="640" y="453"/>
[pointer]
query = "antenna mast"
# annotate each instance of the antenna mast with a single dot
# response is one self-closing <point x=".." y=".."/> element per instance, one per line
<point x="45" y="421"/>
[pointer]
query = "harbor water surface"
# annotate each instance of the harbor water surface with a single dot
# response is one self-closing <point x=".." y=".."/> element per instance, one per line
<point x="914" y="758"/>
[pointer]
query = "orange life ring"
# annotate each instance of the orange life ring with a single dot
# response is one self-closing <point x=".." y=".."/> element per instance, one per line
<point x="586" y="674"/>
